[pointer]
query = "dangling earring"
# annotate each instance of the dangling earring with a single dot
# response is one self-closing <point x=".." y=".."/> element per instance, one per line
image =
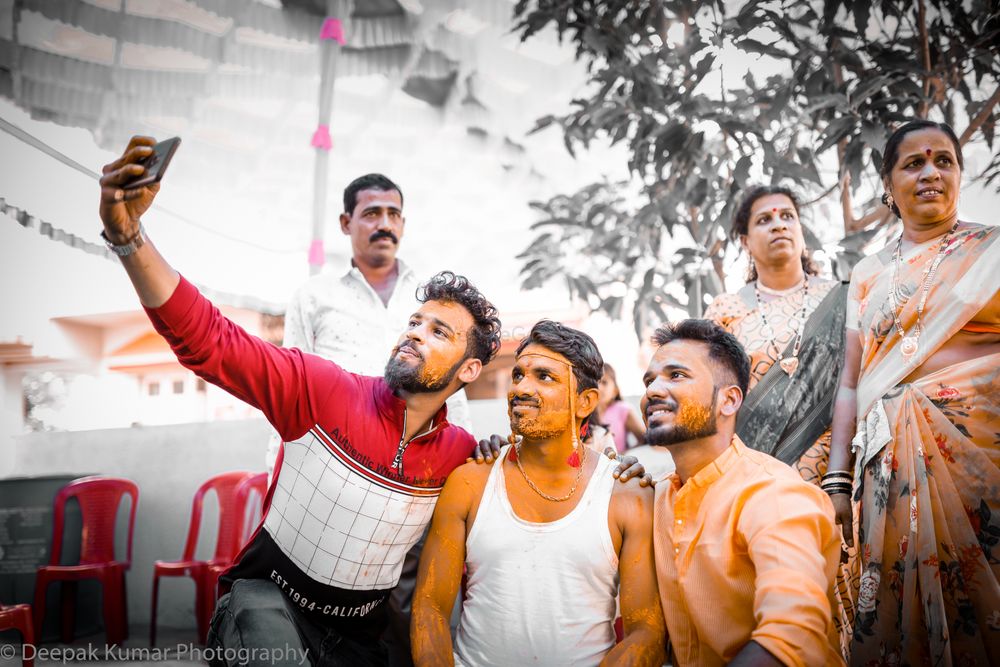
<point x="574" y="459"/>
<point x="888" y="200"/>
<point x="751" y="269"/>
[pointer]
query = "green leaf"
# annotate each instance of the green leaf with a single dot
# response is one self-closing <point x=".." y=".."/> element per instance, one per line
<point x="812" y="241"/>
<point x="742" y="171"/>
<point x="829" y="101"/>
<point x="830" y="10"/>
<point x="542" y="123"/>
<point x="988" y="128"/>
<point x="861" y="10"/>
<point x="703" y="67"/>
<point x="753" y="46"/>
<point x="835" y="131"/>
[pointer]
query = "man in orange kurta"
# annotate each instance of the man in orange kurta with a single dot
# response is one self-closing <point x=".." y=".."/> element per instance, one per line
<point x="746" y="551"/>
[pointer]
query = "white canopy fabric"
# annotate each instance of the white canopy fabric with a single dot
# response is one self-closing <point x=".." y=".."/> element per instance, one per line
<point x="437" y="94"/>
<point x="118" y="67"/>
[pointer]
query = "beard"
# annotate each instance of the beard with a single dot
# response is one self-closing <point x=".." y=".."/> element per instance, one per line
<point x="400" y="376"/>
<point x="542" y="423"/>
<point x="541" y="426"/>
<point x="694" y="421"/>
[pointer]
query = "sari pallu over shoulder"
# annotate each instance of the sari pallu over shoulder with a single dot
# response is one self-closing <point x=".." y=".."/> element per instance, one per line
<point x="784" y="415"/>
<point x="966" y="281"/>
<point x="927" y="478"/>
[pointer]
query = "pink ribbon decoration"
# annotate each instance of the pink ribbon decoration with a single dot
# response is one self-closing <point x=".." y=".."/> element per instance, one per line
<point x="333" y="29"/>
<point x="316" y="255"/>
<point x="321" y="138"/>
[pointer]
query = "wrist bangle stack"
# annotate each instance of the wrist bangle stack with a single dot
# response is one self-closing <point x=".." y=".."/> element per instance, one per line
<point x="837" y="481"/>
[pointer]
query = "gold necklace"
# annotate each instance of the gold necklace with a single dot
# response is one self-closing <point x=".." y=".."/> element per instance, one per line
<point x="576" y="482"/>
<point x="787" y="364"/>
<point x="909" y="345"/>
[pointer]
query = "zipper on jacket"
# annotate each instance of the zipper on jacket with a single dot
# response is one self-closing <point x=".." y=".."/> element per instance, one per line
<point x="397" y="461"/>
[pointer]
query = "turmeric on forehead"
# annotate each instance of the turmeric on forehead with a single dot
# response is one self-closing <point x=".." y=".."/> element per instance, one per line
<point x="569" y="388"/>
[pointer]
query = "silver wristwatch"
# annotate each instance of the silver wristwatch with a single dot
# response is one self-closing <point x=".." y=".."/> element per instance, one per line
<point x="127" y="249"/>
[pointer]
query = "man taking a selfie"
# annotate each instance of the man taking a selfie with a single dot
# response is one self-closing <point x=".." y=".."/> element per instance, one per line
<point x="364" y="459"/>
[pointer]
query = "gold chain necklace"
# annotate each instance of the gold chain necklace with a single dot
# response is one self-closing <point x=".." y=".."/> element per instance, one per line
<point x="576" y="482"/>
<point x="787" y="364"/>
<point x="909" y="345"/>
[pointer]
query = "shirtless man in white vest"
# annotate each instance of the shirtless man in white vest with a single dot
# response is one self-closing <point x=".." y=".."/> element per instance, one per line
<point x="549" y="539"/>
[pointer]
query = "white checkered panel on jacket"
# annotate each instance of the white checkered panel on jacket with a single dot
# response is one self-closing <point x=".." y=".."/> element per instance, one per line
<point x="339" y="526"/>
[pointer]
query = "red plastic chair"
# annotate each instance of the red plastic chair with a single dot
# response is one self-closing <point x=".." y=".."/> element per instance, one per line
<point x="251" y="494"/>
<point x="227" y="546"/>
<point x="18" y="617"/>
<point x="99" y="499"/>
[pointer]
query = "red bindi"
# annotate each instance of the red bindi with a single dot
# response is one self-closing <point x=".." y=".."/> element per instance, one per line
<point x="774" y="210"/>
<point x="927" y="151"/>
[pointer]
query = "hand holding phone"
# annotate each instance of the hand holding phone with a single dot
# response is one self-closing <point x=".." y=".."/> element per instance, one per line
<point x="129" y="185"/>
<point x="155" y="164"/>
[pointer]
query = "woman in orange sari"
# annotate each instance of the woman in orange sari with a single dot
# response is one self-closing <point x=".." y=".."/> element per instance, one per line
<point x="791" y="323"/>
<point x="919" y="409"/>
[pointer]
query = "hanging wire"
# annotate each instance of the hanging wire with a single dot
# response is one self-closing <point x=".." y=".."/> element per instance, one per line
<point x="40" y="145"/>
<point x="53" y="233"/>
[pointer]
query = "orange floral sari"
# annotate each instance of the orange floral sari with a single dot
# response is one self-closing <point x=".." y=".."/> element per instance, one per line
<point x="928" y="464"/>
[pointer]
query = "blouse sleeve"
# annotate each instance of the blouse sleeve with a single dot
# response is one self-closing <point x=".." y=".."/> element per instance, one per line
<point x="856" y="296"/>
<point x="722" y="310"/>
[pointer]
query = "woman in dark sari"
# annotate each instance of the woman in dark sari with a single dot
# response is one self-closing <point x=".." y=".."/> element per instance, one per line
<point x="791" y="323"/>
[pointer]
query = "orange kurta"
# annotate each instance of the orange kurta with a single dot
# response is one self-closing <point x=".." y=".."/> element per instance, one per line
<point x="746" y="551"/>
<point x="737" y="314"/>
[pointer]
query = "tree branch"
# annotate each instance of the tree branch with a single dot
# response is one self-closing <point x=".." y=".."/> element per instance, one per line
<point x="713" y="253"/>
<point x="980" y="118"/>
<point x="852" y="224"/>
<point x="821" y="196"/>
<point x="924" y="106"/>
<point x="880" y="214"/>
<point x="838" y="80"/>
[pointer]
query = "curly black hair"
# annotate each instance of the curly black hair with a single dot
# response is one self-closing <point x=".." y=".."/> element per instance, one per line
<point x="891" y="150"/>
<point x="484" y="337"/>
<point x="368" y="182"/>
<point x="723" y="348"/>
<point x="741" y="222"/>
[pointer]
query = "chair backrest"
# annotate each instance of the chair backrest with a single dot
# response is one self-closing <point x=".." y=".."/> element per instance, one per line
<point x="227" y="543"/>
<point x="251" y="494"/>
<point x="99" y="499"/>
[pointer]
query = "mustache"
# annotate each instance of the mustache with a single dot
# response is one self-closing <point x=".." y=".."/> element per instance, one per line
<point x="409" y="346"/>
<point x="523" y="400"/>
<point x="383" y="234"/>
<point x="656" y="405"/>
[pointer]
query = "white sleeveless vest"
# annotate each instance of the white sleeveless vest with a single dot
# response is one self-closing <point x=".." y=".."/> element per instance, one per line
<point x="539" y="593"/>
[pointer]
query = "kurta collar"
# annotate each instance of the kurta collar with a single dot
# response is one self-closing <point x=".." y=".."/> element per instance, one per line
<point x="716" y="469"/>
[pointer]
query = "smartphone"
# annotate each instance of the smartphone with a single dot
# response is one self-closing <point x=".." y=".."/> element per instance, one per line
<point x="156" y="163"/>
